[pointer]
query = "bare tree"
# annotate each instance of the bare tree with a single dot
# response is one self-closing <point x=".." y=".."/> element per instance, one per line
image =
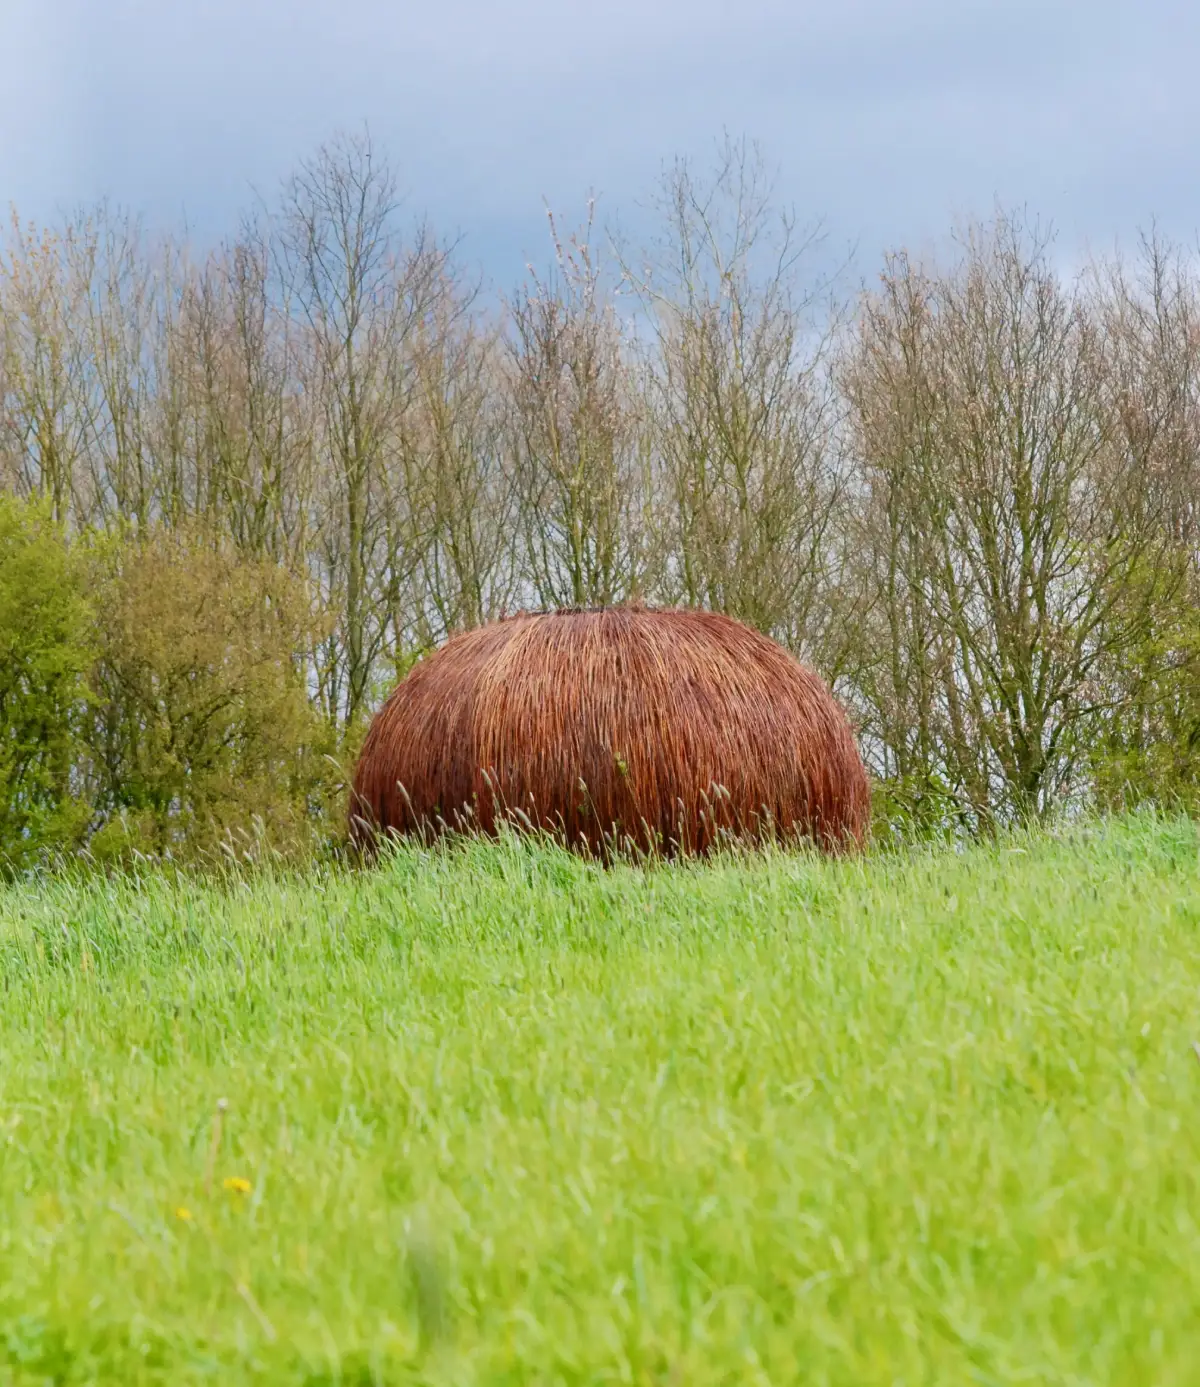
<point x="45" y="409"/>
<point x="120" y="280"/>
<point x="240" y="414"/>
<point x="462" y="495"/>
<point x="359" y="292"/>
<point x="575" y="433"/>
<point x="1149" y="747"/>
<point x="1011" y="526"/>
<point x="741" y="400"/>
<point x="905" y="653"/>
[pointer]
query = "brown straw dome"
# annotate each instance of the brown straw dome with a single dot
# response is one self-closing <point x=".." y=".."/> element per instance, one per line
<point x="681" y="726"/>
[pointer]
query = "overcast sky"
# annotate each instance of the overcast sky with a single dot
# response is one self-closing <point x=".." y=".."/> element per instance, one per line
<point x="887" y="118"/>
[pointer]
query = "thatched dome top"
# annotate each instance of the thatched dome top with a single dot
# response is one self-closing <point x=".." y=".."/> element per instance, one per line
<point x="664" y="726"/>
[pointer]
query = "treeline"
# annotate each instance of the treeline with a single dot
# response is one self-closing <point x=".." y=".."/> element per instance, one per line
<point x="243" y="491"/>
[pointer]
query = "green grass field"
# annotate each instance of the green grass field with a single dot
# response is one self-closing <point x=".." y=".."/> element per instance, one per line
<point x="495" y="1116"/>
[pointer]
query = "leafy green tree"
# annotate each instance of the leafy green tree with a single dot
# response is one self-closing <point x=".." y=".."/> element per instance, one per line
<point x="203" y="733"/>
<point x="1149" y="750"/>
<point x="45" y="655"/>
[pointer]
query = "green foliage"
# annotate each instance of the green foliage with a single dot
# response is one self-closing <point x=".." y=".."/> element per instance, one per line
<point x="44" y="659"/>
<point x="915" y="808"/>
<point x="1149" y="749"/>
<point x="204" y="734"/>
<point x="504" y="1117"/>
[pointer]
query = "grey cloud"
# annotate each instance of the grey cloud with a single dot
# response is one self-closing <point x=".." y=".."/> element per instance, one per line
<point x="887" y="118"/>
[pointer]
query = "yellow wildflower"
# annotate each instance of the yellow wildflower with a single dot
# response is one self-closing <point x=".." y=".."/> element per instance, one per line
<point x="237" y="1185"/>
<point x="184" y="1215"/>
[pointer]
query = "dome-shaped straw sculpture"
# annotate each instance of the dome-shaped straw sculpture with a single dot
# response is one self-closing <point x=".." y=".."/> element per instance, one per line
<point x="666" y="729"/>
